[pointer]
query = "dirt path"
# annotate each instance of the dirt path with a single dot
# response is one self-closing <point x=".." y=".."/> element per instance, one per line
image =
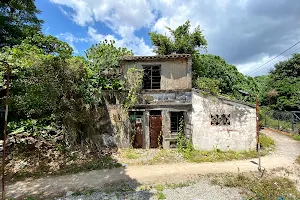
<point x="284" y="156"/>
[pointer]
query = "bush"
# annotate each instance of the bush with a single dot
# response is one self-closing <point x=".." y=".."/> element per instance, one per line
<point x="266" y="142"/>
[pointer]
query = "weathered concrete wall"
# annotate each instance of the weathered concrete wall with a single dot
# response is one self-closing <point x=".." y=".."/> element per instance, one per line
<point x="121" y="126"/>
<point x="166" y="98"/>
<point x="175" y="73"/>
<point x="239" y="135"/>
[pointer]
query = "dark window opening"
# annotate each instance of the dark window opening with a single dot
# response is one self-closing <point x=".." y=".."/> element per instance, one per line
<point x="177" y="121"/>
<point x="220" y="120"/>
<point x="151" y="79"/>
<point x="155" y="112"/>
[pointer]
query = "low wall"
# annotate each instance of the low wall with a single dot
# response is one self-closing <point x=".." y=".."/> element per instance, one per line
<point x="222" y="124"/>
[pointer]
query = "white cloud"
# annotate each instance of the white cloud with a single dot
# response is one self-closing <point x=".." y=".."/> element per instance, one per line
<point x="116" y="13"/>
<point x="136" y="44"/>
<point x="244" y="32"/>
<point x="72" y="40"/>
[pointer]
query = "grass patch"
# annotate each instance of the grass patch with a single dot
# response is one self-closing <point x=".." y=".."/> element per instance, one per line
<point x="264" y="188"/>
<point x="165" y="156"/>
<point x="266" y="142"/>
<point x="130" y="154"/>
<point x="161" y="195"/>
<point x="296" y="137"/>
<point x="217" y="155"/>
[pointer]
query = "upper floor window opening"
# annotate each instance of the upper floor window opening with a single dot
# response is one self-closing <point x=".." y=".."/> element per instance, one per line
<point x="151" y="79"/>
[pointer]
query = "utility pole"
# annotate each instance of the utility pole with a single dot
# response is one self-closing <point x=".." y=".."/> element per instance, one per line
<point x="257" y="135"/>
<point x="257" y="129"/>
<point x="4" y="132"/>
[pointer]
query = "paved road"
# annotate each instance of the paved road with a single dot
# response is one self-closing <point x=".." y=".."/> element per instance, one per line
<point x="284" y="155"/>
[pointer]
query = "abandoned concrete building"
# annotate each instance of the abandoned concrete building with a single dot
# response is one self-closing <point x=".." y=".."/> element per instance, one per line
<point x="168" y="103"/>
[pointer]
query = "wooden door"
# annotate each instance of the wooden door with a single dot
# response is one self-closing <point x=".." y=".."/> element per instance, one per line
<point x="155" y="130"/>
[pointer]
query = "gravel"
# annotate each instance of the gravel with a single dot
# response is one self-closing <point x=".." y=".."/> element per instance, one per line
<point x="201" y="190"/>
<point x="143" y="195"/>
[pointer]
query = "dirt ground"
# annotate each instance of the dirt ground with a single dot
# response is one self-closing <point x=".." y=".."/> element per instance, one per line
<point x="284" y="156"/>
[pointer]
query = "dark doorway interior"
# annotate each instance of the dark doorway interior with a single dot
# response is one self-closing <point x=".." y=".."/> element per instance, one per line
<point x="155" y="122"/>
<point x="177" y="121"/>
<point x="151" y="79"/>
<point x="137" y="128"/>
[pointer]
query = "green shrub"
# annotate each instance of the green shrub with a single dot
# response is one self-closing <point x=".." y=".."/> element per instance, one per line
<point x="266" y="142"/>
<point x="296" y="137"/>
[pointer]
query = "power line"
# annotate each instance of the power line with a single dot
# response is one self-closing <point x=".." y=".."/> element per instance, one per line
<point x="273" y="58"/>
<point x="281" y="58"/>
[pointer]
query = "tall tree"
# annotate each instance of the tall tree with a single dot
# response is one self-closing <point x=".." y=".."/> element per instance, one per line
<point x="18" y="20"/>
<point x="285" y="80"/>
<point x="182" y="41"/>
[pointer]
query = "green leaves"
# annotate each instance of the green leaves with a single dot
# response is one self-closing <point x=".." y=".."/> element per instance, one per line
<point x="103" y="61"/>
<point x="180" y="42"/>
<point x="18" y="20"/>
<point x="285" y="80"/>
<point x="209" y="85"/>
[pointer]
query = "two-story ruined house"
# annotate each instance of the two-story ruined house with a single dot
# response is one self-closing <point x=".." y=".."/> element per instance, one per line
<point x="168" y="104"/>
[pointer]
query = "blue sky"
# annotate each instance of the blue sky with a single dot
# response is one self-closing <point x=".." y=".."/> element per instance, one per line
<point x="246" y="33"/>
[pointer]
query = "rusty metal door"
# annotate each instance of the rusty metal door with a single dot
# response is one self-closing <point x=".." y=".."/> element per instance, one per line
<point x="138" y="141"/>
<point x="155" y="130"/>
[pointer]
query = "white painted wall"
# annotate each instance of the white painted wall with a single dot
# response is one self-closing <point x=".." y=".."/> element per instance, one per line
<point x="239" y="135"/>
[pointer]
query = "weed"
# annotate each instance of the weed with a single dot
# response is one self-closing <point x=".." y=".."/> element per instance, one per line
<point x="161" y="195"/>
<point x="217" y="155"/>
<point x="178" y="185"/>
<point x="265" y="188"/>
<point x="266" y="142"/>
<point x="130" y="154"/>
<point x="296" y="137"/>
<point x="159" y="188"/>
<point x="165" y="156"/>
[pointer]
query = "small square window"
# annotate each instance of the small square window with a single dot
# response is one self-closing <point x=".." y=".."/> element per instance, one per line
<point x="220" y="120"/>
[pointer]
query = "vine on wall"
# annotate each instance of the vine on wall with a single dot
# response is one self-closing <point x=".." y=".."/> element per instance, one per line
<point x="134" y="80"/>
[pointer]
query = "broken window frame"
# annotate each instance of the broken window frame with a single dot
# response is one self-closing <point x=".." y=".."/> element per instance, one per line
<point x="179" y="116"/>
<point x="152" y="74"/>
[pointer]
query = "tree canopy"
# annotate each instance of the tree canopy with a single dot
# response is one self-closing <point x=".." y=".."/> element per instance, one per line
<point x="18" y="20"/>
<point x="285" y="80"/>
<point x="182" y="41"/>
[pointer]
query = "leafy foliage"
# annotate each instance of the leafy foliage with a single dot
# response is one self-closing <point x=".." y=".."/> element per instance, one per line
<point x="18" y="20"/>
<point x="55" y="84"/>
<point x="285" y="79"/>
<point x="104" y="64"/>
<point x="211" y="73"/>
<point x="50" y="45"/>
<point x="209" y="85"/>
<point x="182" y="41"/>
<point x="134" y="80"/>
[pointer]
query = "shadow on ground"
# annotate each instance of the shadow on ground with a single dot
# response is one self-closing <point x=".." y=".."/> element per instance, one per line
<point x="97" y="184"/>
